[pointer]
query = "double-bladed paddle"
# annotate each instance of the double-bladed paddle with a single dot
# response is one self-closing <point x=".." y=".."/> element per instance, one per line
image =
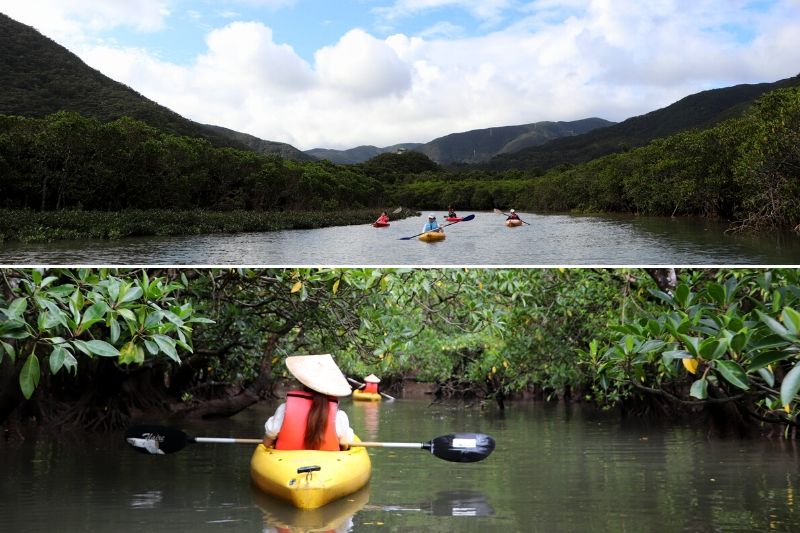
<point x="387" y="396"/>
<point x="455" y="447"/>
<point x="498" y="212"/>
<point x="465" y="219"/>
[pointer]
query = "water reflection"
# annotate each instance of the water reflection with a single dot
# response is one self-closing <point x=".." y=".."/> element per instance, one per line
<point x="368" y="412"/>
<point x="284" y="517"/>
<point x="448" y="503"/>
<point x="551" y="239"/>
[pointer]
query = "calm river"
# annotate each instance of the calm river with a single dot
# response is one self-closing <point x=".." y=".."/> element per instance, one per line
<point x="549" y="240"/>
<point x="555" y="468"/>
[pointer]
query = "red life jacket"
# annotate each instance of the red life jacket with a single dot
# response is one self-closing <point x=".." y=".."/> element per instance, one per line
<point x="293" y="430"/>
<point x="371" y="387"/>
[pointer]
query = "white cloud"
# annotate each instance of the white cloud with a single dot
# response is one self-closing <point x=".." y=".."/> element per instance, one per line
<point x="362" y="66"/>
<point x="68" y="22"/>
<point x="558" y="60"/>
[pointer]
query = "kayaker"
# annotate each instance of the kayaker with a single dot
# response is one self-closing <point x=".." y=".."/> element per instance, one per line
<point x="371" y="384"/>
<point x="432" y="225"/>
<point x="310" y="418"/>
<point x="383" y="219"/>
<point x="451" y="212"/>
<point x="513" y="215"/>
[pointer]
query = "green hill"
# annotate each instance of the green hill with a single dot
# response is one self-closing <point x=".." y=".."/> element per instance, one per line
<point x="39" y="77"/>
<point x="697" y="111"/>
<point x="483" y="144"/>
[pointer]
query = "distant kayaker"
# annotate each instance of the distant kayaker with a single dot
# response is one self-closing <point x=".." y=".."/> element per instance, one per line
<point x="371" y="384"/>
<point x="513" y="215"/>
<point x="451" y="212"/>
<point x="432" y="225"/>
<point x="310" y="419"/>
<point x="383" y="219"/>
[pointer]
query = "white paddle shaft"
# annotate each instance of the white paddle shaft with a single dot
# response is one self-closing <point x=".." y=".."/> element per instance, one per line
<point x="388" y="444"/>
<point x="222" y="440"/>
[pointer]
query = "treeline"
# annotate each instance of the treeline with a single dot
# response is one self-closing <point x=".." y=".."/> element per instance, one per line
<point x="745" y="170"/>
<point x="68" y="161"/>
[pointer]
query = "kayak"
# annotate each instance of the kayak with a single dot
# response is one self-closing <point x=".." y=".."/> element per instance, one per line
<point x="454" y="219"/>
<point x="432" y="236"/>
<point x="513" y="223"/>
<point x="380" y="224"/>
<point x="284" y="516"/>
<point x="323" y="476"/>
<point x="360" y="395"/>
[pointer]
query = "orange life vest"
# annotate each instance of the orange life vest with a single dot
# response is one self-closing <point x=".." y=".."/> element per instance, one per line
<point x="371" y="387"/>
<point x="293" y="430"/>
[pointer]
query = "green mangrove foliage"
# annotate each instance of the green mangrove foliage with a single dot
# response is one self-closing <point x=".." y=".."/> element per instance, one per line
<point x="105" y="345"/>
<point x="726" y="337"/>
<point x="43" y="226"/>
<point x="59" y="323"/>
<point x="67" y="161"/>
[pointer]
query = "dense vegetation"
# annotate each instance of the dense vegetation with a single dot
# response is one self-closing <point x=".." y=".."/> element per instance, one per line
<point x="744" y="169"/>
<point x="96" y="347"/>
<point x="67" y="161"/>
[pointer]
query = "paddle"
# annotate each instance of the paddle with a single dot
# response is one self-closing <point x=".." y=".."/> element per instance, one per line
<point x="465" y="219"/>
<point x="398" y="210"/>
<point x="498" y="212"/>
<point x="354" y="382"/>
<point x="457" y="447"/>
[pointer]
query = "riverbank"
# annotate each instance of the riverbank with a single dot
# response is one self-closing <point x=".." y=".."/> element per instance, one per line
<point x="47" y="226"/>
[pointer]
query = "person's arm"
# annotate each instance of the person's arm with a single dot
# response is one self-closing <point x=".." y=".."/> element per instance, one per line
<point x="343" y="430"/>
<point x="273" y="426"/>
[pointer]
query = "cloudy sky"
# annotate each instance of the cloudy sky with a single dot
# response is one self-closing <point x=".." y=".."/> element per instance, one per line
<point x="337" y="74"/>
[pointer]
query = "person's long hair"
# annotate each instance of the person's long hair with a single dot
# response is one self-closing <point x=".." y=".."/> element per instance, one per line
<point x="317" y="420"/>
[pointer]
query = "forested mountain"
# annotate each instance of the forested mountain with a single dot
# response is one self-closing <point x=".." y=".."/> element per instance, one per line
<point x="261" y="146"/>
<point x="481" y="145"/>
<point x="359" y="154"/>
<point x="39" y="77"/>
<point x="471" y="146"/>
<point x="696" y="111"/>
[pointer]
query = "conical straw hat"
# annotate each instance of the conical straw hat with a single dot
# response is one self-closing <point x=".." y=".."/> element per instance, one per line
<point x="320" y="373"/>
<point x="372" y="378"/>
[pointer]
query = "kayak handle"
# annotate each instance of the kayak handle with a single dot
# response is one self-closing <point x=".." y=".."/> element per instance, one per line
<point x="307" y="469"/>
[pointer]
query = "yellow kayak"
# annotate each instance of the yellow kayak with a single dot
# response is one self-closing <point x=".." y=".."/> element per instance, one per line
<point x="323" y="476"/>
<point x="513" y="223"/>
<point x="362" y="396"/>
<point x="432" y="236"/>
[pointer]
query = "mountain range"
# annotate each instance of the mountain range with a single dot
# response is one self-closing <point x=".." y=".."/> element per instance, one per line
<point x="696" y="111"/>
<point x="39" y="77"/>
<point x="472" y="146"/>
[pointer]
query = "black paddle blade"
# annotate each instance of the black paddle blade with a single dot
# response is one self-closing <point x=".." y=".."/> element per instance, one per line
<point x="157" y="440"/>
<point x="461" y="447"/>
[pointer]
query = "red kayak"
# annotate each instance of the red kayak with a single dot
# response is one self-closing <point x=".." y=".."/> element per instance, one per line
<point x="454" y="219"/>
<point x="380" y="224"/>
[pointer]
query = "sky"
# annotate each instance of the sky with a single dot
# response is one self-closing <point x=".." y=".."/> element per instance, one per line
<point x="339" y="74"/>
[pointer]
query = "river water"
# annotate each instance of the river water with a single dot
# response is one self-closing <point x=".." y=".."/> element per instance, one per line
<point x="548" y="240"/>
<point x="556" y="468"/>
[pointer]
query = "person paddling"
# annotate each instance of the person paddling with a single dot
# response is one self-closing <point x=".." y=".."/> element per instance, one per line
<point x="383" y="219"/>
<point x="451" y="212"/>
<point x="513" y="215"/>
<point x="432" y="225"/>
<point x="310" y="418"/>
<point x="371" y="384"/>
